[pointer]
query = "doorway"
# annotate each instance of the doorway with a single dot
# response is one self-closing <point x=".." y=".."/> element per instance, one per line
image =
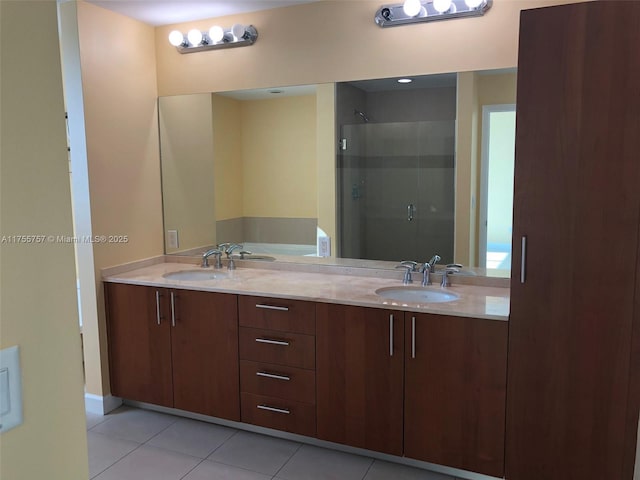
<point x="496" y="189"/>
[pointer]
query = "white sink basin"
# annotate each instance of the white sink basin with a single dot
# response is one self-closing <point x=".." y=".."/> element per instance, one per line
<point x="195" y="275"/>
<point x="417" y="294"/>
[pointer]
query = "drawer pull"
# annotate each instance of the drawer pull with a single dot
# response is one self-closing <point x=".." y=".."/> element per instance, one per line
<point x="158" y="317"/>
<point x="272" y="307"/>
<point x="413" y="337"/>
<point x="391" y="335"/>
<point x="272" y="342"/>
<point x="273" y="409"/>
<point x="273" y="375"/>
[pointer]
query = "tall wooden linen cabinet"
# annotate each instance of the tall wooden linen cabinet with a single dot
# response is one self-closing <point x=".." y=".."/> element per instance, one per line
<point x="574" y="333"/>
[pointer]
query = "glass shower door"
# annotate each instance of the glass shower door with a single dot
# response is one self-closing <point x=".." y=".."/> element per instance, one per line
<point x="396" y="191"/>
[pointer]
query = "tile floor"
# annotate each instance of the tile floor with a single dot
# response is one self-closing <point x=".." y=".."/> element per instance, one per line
<point x="135" y="444"/>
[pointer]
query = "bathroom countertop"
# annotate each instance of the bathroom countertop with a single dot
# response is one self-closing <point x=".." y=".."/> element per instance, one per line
<point x="474" y="301"/>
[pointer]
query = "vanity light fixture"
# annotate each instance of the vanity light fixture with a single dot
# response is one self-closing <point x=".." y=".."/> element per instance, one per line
<point x="216" y="37"/>
<point x="415" y="11"/>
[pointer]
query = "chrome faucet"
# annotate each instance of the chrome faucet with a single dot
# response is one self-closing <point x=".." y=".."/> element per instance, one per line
<point x="426" y="274"/>
<point x="207" y="254"/>
<point x="229" y="250"/>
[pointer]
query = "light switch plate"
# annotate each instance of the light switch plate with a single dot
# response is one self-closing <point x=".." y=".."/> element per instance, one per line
<point x="172" y="238"/>
<point x="10" y="389"/>
<point x="324" y="246"/>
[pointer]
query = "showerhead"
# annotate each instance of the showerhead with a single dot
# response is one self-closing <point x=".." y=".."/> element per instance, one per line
<point x="361" y="114"/>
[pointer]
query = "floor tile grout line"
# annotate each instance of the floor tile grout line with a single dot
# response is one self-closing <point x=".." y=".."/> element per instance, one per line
<point x="300" y="445"/>
<point x="373" y="460"/>
<point x="236" y="466"/>
<point x="118" y="461"/>
<point x="222" y="444"/>
<point x="194" y="467"/>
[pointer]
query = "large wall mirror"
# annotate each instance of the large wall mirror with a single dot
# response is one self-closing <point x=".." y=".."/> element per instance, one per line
<point x="245" y="167"/>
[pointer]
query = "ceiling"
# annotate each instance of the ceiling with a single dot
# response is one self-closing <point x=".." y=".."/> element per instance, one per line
<point x="164" y="12"/>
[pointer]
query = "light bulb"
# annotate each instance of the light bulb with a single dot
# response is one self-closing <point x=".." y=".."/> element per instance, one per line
<point x="238" y="31"/>
<point x="473" y="3"/>
<point x="412" y="7"/>
<point x="442" y="6"/>
<point x="195" y="37"/>
<point x="176" y="38"/>
<point x="216" y="34"/>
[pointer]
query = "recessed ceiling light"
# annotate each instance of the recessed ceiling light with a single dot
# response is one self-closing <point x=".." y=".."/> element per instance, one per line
<point x="404" y="80"/>
<point x="275" y="91"/>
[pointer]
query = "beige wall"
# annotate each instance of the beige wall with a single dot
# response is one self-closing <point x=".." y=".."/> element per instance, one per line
<point x="336" y="40"/>
<point x="119" y="84"/>
<point x="227" y="146"/>
<point x="186" y="131"/>
<point x="279" y="157"/>
<point x="38" y="309"/>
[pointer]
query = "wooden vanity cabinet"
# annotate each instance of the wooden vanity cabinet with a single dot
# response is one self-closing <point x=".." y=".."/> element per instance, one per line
<point x="574" y="330"/>
<point x="442" y="401"/>
<point x="455" y="391"/>
<point x="175" y="348"/>
<point x="139" y="343"/>
<point x="278" y="363"/>
<point x="360" y="361"/>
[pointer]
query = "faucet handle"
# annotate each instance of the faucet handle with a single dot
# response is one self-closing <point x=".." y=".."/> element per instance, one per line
<point x="407" y="274"/>
<point x="411" y="263"/>
<point x="455" y="265"/>
<point x="243" y="253"/>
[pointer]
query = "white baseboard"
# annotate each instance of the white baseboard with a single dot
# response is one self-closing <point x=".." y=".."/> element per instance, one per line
<point x="101" y="405"/>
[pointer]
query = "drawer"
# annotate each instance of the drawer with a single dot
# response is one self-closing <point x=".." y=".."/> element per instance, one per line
<point x="285" y="415"/>
<point x="278" y="381"/>
<point x="277" y="314"/>
<point x="280" y="348"/>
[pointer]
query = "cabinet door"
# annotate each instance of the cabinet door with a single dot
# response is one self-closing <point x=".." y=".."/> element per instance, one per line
<point x="139" y="343"/>
<point x="577" y="204"/>
<point x="359" y="374"/>
<point x="455" y="391"/>
<point x="204" y="344"/>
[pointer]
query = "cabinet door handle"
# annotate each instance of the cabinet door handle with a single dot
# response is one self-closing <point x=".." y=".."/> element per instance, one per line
<point x="523" y="260"/>
<point x="410" y="212"/>
<point x="413" y="337"/>
<point x="272" y="307"/>
<point x="391" y="335"/>
<point x="173" y="309"/>
<point x="158" y="317"/>
<point x="273" y="375"/>
<point x="272" y="342"/>
<point x="274" y="409"/>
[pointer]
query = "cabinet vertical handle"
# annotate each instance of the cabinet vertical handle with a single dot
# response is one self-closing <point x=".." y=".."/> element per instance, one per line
<point x="173" y="309"/>
<point x="523" y="260"/>
<point x="413" y="337"/>
<point x="410" y="211"/>
<point x="158" y="307"/>
<point x="391" y="335"/>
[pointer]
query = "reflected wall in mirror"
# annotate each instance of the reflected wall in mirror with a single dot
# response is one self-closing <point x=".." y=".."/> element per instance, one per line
<point x="243" y="167"/>
<point x="240" y="167"/>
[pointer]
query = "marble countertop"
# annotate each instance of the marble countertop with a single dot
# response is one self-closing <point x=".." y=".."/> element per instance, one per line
<point x="474" y="301"/>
